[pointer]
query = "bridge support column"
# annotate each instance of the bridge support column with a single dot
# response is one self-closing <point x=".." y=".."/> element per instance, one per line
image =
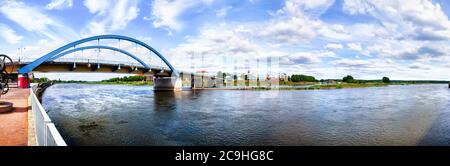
<point x="167" y="84"/>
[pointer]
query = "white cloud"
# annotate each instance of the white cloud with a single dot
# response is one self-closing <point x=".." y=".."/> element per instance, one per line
<point x="97" y="6"/>
<point x="355" y="46"/>
<point x="353" y="63"/>
<point x="307" y="57"/>
<point x="419" y="66"/>
<point x="292" y="31"/>
<point x="334" y="46"/>
<point x="111" y="16"/>
<point x="59" y="4"/>
<point x="40" y="48"/>
<point x="217" y="40"/>
<point x="223" y="11"/>
<point x="418" y="19"/>
<point x="223" y="47"/>
<point x="96" y="28"/>
<point x="9" y="35"/>
<point x="297" y="22"/>
<point x="298" y="8"/>
<point x="29" y="18"/>
<point x="165" y="13"/>
<point x="34" y="20"/>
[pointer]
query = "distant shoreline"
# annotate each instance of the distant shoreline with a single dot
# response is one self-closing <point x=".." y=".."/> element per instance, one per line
<point x="282" y="87"/>
<point x="317" y="87"/>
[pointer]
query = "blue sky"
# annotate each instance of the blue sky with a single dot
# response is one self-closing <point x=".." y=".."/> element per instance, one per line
<point x="401" y="39"/>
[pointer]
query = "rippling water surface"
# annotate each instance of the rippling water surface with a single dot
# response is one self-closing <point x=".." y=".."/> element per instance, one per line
<point x="135" y="115"/>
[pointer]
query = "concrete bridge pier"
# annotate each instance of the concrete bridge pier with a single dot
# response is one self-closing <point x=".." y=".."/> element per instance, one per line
<point x="167" y="84"/>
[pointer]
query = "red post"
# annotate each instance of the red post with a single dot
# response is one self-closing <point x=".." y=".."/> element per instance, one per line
<point x="23" y="81"/>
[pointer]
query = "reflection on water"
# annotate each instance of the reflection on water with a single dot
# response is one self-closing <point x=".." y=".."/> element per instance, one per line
<point x="133" y="115"/>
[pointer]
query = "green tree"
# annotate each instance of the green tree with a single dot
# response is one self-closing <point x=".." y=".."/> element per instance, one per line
<point x="348" y="79"/>
<point x="386" y="80"/>
<point x="220" y="74"/>
<point x="300" y="78"/>
<point x="126" y="79"/>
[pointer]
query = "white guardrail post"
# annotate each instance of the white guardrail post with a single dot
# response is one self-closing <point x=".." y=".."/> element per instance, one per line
<point x="46" y="132"/>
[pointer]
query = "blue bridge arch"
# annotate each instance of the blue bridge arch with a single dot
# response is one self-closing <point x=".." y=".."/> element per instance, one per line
<point x="62" y="51"/>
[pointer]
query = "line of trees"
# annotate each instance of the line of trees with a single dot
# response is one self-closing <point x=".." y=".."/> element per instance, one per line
<point x="126" y="79"/>
<point x="302" y="78"/>
<point x="45" y="79"/>
<point x="350" y="79"/>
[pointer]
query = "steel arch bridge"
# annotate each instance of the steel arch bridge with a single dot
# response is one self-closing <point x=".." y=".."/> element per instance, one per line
<point x="71" y="47"/>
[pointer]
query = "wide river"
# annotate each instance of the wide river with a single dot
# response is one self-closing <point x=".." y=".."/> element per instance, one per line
<point x="136" y="115"/>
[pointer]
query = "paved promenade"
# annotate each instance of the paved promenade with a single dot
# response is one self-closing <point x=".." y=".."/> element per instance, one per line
<point x="14" y="124"/>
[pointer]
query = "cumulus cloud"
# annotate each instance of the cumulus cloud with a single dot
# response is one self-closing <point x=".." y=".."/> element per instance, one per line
<point x="217" y="41"/>
<point x="419" y="19"/>
<point x="355" y="46"/>
<point x="223" y="11"/>
<point x="111" y="16"/>
<point x="59" y="4"/>
<point x="291" y="31"/>
<point x="297" y="22"/>
<point x="419" y="66"/>
<point x="396" y="37"/>
<point x="298" y="8"/>
<point x="238" y="46"/>
<point x="307" y="57"/>
<point x="334" y="46"/>
<point x="392" y="36"/>
<point x="353" y="63"/>
<point x="97" y="6"/>
<point x="165" y="13"/>
<point x="9" y="35"/>
<point x="34" y="20"/>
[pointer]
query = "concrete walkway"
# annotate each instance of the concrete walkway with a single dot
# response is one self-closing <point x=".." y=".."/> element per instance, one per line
<point x="14" y="124"/>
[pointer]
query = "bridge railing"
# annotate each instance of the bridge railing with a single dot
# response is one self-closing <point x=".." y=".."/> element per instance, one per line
<point x="46" y="132"/>
<point x="93" y="61"/>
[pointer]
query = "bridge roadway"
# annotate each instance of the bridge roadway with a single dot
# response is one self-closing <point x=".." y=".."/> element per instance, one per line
<point x="90" y="65"/>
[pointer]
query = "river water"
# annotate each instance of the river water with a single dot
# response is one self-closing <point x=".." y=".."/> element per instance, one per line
<point x="136" y="115"/>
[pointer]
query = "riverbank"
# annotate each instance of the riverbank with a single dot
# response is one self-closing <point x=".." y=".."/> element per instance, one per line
<point x="311" y="87"/>
<point x="317" y="87"/>
<point x="131" y="83"/>
<point x="134" y="83"/>
<point x="303" y="86"/>
<point x="343" y="85"/>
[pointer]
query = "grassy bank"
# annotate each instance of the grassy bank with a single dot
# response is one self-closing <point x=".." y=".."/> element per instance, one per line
<point x="133" y="83"/>
<point x="331" y="86"/>
<point x="345" y="85"/>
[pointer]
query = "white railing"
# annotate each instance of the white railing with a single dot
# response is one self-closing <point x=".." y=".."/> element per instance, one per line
<point x="46" y="132"/>
<point x="93" y="61"/>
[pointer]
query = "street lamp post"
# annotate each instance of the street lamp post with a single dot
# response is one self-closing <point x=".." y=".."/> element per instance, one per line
<point x="21" y="49"/>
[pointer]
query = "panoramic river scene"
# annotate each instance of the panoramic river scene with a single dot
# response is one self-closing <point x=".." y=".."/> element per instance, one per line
<point x="219" y="80"/>
<point x="136" y="115"/>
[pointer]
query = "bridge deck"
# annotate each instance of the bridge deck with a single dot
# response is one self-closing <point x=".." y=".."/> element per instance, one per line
<point x="14" y="124"/>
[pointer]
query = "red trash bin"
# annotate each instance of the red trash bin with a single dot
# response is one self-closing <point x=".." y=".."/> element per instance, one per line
<point x="23" y="81"/>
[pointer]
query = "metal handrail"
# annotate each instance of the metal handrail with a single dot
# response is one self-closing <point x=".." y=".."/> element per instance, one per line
<point x="46" y="132"/>
<point x="93" y="61"/>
